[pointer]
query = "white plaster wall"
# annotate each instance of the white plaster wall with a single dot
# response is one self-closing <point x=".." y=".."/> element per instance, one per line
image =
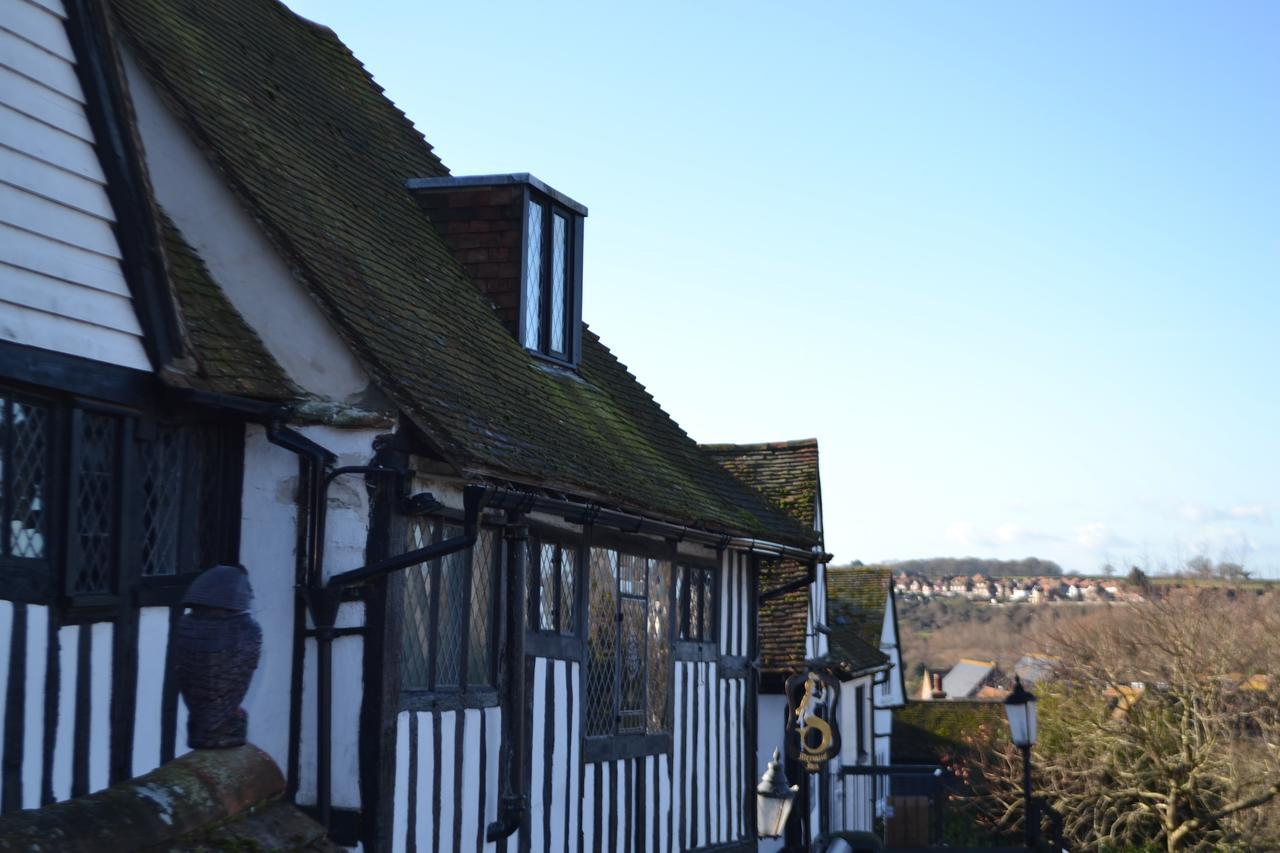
<point x="769" y="728"/>
<point x="267" y="539"/>
<point x="346" y="540"/>
<point x="238" y="256"/>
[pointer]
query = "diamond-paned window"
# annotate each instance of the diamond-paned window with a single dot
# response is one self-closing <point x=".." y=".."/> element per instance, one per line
<point x="24" y="467"/>
<point x="533" y="288"/>
<point x="137" y="497"/>
<point x="559" y="260"/>
<point x="480" y="644"/>
<point x="162" y="476"/>
<point x="550" y="309"/>
<point x="694" y="603"/>
<point x="602" y="643"/>
<point x="628" y="624"/>
<point x="552" y="587"/>
<point x="448" y="625"/>
<point x="632" y="649"/>
<point x="416" y="634"/>
<point x="96" y="503"/>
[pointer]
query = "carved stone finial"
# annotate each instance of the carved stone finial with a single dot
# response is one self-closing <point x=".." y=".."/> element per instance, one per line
<point x="216" y="645"/>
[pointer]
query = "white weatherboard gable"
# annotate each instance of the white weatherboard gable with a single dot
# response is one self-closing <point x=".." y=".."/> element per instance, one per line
<point x="61" y="284"/>
<point x="237" y="254"/>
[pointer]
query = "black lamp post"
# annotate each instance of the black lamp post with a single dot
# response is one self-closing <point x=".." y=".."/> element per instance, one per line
<point x="1020" y="708"/>
<point x="773" y="800"/>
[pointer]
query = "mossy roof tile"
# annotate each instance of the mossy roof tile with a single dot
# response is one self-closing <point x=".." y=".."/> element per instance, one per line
<point x="785" y="472"/>
<point x="316" y="153"/>
<point x="856" y="600"/>
<point x="230" y="357"/>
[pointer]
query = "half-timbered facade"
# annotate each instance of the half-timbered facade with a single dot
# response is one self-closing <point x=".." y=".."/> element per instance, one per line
<point x="795" y="634"/>
<point x="251" y="317"/>
<point x="116" y="488"/>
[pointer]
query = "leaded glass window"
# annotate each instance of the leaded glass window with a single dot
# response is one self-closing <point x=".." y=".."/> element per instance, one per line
<point x="533" y="278"/>
<point x="628" y="646"/>
<point x="24" y="469"/>
<point x="695" y="602"/>
<point x="549" y="299"/>
<point x="162" y="477"/>
<point x="95" y="503"/>
<point x="559" y="259"/>
<point x="447" y="631"/>
<point x="137" y="497"/>
<point x="552" y="587"/>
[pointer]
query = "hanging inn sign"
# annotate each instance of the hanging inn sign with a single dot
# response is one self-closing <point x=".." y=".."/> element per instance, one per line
<point x="813" y="733"/>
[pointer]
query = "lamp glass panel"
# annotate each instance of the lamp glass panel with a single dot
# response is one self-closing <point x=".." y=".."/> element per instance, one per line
<point x="1017" y="723"/>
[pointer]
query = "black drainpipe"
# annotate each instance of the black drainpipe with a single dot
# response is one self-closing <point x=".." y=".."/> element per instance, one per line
<point x="513" y="805"/>
<point x="323" y="600"/>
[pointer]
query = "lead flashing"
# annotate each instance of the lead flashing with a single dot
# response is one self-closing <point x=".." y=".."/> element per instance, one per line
<point x="416" y="185"/>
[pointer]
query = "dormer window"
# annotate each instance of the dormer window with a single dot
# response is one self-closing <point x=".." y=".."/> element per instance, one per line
<point x="520" y="241"/>
<point x="548" y="295"/>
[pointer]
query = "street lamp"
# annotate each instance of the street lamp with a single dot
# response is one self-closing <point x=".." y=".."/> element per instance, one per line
<point x="773" y="800"/>
<point x="1020" y="708"/>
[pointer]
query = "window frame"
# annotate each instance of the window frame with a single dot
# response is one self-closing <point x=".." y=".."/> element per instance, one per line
<point x="614" y="744"/>
<point x="464" y="694"/>
<point x="34" y="579"/>
<point x="51" y="580"/>
<point x="709" y="583"/>
<point x="552" y="207"/>
<point x="540" y="536"/>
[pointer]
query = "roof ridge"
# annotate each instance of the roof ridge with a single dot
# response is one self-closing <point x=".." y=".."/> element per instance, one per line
<point x="794" y="443"/>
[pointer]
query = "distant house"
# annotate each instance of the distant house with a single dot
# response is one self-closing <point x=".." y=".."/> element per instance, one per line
<point x="969" y="676"/>
<point x="1032" y="668"/>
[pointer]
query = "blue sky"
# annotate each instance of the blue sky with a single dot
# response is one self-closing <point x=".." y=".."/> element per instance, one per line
<point x="1015" y="265"/>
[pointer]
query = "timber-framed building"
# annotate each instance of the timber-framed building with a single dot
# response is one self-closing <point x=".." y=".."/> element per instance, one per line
<point x="250" y="316"/>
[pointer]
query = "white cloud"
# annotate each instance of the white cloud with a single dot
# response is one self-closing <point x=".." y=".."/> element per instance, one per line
<point x="1201" y="514"/>
<point x="1257" y="513"/>
<point x="1096" y="535"/>
<point x="1009" y="533"/>
<point x="961" y="532"/>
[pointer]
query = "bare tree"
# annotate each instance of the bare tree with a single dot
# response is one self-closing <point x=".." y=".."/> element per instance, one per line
<point x="1159" y="727"/>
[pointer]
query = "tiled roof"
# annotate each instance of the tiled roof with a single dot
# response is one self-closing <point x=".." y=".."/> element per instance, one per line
<point x="931" y="732"/>
<point x="786" y="472"/>
<point x="858" y="655"/>
<point x="783" y="620"/>
<point x="230" y="357"/>
<point x="856" y="600"/>
<point x="316" y="153"/>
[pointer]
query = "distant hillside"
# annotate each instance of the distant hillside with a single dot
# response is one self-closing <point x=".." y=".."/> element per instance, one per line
<point x="942" y="567"/>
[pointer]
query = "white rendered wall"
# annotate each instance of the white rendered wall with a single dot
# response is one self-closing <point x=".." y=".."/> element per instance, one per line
<point x="61" y="285"/>
<point x="346" y="540"/>
<point x="769" y="727"/>
<point x="268" y="536"/>
<point x="238" y="256"/>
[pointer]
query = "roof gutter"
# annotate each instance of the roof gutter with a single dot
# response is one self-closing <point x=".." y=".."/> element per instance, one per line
<point x="586" y="513"/>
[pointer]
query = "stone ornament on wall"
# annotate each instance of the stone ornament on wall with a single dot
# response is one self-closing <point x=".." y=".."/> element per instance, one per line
<point x="216" y="645"/>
